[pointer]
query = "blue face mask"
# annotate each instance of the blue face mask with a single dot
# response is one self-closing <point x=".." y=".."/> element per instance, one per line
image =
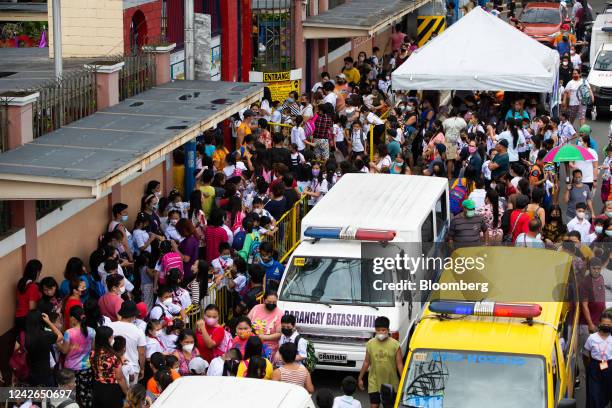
<point x="225" y="257"/>
<point x="268" y="263"/>
<point x="124" y="218"/>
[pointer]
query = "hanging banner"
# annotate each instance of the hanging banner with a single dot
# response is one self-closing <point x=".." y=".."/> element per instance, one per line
<point x="280" y="83"/>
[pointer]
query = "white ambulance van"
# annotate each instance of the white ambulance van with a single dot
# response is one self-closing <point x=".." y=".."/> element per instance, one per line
<point x="330" y="287"/>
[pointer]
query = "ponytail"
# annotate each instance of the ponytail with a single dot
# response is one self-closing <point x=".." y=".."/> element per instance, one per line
<point x="514" y="131"/>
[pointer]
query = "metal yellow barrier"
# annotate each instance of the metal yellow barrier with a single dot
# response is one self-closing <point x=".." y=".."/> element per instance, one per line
<point x="371" y="143"/>
<point x="285" y="239"/>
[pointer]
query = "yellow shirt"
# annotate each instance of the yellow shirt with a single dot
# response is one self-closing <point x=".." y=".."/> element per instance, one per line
<point x="218" y="157"/>
<point x="352" y="75"/>
<point x="208" y="197"/>
<point x="242" y="370"/>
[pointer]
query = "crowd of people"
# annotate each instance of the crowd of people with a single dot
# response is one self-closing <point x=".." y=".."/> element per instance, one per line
<point x="117" y="327"/>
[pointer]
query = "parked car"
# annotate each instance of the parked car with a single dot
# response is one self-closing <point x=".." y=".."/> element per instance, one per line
<point x="542" y="21"/>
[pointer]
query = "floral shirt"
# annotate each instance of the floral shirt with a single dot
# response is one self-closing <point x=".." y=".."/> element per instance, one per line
<point x="486" y="212"/>
<point x="104" y="365"/>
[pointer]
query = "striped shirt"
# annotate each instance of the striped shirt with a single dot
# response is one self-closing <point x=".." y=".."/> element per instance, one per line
<point x="466" y="230"/>
<point x="297" y="377"/>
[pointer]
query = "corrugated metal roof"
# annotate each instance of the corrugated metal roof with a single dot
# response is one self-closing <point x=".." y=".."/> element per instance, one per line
<point x="23" y="7"/>
<point x="361" y="13"/>
<point x="380" y="201"/>
<point x="119" y="141"/>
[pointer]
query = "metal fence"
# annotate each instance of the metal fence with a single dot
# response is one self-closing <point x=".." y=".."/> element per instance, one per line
<point x="272" y="35"/>
<point x="137" y="75"/>
<point x="285" y="239"/>
<point x="44" y="207"/>
<point x="65" y="100"/>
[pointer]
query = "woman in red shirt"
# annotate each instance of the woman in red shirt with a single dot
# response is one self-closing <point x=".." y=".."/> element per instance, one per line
<point x="210" y="334"/>
<point x="28" y="293"/>
<point x="214" y="234"/>
<point x="77" y="287"/>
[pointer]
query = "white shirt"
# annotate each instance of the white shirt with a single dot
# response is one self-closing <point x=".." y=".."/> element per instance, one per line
<point x="478" y="196"/>
<point x="373" y="119"/>
<point x="140" y="238"/>
<point x="524" y="240"/>
<point x="103" y="275"/>
<point x="160" y="310"/>
<point x="172" y="233"/>
<point x="230" y="170"/>
<point x="220" y="265"/>
<point x="265" y="107"/>
<point x="452" y="127"/>
<point x="576" y="60"/>
<point x="346" y="401"/>
<point x="384" y="162"/>
<point x="339" y="132"/>
<point x="153" y="346"/>
<point x="215" y="369"/>
<point x="572" y="87"/>
<point x="298" y="136"/>
<point x="169" y="341"/>
<point x="512" y="151"/>
<point x="357" y="139"/>
<point x="595" y="345"/>
<point x="607" y="275"/>
<point x="307" y="112"/>
<point x="276" y="116"/>
<point x="583" y="227"/>
<point x="486" y="172"/>
<point x="330" y="98"/>
<point x="586" y="166"/>
<point x="134" y="338"/>
<point x="301" y="345"/>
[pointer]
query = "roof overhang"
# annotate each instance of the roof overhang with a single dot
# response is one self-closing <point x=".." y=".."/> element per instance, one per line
<point x="340" y="22"/>
<point x="23" y="12"/>
<point x="31" y="181"/>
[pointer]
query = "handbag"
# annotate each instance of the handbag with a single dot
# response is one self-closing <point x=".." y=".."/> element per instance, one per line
<point x="508" y="237"/>
<point x="19" y="360"/>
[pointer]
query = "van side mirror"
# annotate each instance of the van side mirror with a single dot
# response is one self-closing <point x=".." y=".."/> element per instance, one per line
<point x="567" y="403"/>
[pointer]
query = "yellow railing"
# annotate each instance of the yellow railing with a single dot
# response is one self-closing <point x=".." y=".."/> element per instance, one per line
<point x="285" y="239"/>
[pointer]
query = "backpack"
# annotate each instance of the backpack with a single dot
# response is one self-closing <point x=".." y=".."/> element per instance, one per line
<point x="19" y="360"/>
<point x="311" y="360"/>
<point x="238" y="241"/>
<point x="254" y="249"/>
<point x="456" y="196"/>
<point x="96" y="287"/>
<point x="309" y="126"/>
<point x="63" y="404"/>
<point x="227" y="343"/>
<point x="584" y="94"/>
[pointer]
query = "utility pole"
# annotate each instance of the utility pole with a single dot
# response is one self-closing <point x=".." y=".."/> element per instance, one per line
<point x="189" y="41"/>
<point x="57" y="37"/>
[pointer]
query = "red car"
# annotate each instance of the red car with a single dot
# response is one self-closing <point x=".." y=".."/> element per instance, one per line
<point x="542" y="21"/>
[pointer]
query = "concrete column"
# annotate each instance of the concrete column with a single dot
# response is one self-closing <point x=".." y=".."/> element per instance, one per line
<point x="323" y="48"/>
<point x="314" y="61"/>
<point x="162" y="62"/>
<point x="30" y="250"/>
<point x="19" y="113"/>
<point x="107" y="83"/>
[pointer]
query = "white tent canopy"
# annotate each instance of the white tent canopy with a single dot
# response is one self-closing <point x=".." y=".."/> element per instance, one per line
<point x="480" y="52"/>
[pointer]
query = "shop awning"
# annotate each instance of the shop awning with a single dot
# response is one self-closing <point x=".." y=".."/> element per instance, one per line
<point x="87" y="157"/>
<point x="359" y="18"/>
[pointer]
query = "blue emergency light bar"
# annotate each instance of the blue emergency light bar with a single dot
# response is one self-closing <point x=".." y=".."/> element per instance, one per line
<point x="349" y="233"/>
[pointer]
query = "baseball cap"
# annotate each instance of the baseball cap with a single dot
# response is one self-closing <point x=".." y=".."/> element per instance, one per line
<point x="586" y="129"/>
<point x="468" y="204"/>
<point x="142" y="309"/>
<point x="341" y="76"/>
<point x="128" y="309"/>
<point x="198" y="366"/>
<point x="503" y="142"/>
<point x="248" y="113"/>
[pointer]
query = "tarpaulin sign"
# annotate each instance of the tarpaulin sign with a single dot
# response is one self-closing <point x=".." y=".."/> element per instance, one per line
<point x="280" y="83"/>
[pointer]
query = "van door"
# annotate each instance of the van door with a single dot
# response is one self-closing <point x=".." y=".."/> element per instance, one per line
<point x="442" y="217"/>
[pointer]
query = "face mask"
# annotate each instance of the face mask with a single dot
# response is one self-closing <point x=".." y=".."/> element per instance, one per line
<point x="565" y="63"/>
<point x="154" y="206"/>
<point x="316" y="172"/>
<point x="580" y="215"/>
<point x="287" y="332"/>
<point x="157" y="194"/>
<point x="270" y="306"/>
<point x="572" y="52"/>
<point x="124" y="218"/>
<point x="188" y="347"/>
<point x="609" y="214"/>
<point x="608" y="233"/>
<point x="258" y="211"/>
<point x="174" y="222"/>
<point x="575" y="77"/>
<point x="225" y="257"/>
<point x="493" y="185"/>
<point x="157" y="333"/>
<point x="244" y="335"/>
<point x="211" y="321"/>
<point x="604" y="328"/>
<point x="382" y="336"/>
<point x="122" y="290"/>
<point x="167" y="302"/>
<point x="470" y="213"/>
<point x="598" y="229"/>
<point x="472" y="149"/>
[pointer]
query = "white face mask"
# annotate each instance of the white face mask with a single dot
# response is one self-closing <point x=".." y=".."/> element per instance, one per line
<point x="111" y="342"/>
<point x="122" y="290"/>
<point x="382" y="336"/>
<point x="580" y="215"/>
<point x="167" y="302"/>
<point x="188" y="347"/>
<point x="174" y="222"/>
<point x="598" y="229"/>
<point x="157" y="333"/>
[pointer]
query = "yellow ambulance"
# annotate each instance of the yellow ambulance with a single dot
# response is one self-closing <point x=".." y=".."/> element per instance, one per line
<point x="513" y="347"/>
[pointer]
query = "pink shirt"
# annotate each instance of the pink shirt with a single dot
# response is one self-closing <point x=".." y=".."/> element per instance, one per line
<point x="265" y="322"/>
<point x="109" y="305"/>
<point x="171" y="260"/>
<point x="214" y="236"/>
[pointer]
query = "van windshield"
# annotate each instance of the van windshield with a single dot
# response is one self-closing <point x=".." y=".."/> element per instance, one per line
<point x="603" y="62"/>
<point x="460" y="379"/>
<point x="335" y="281"/>
<point x="541" y="16"/>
